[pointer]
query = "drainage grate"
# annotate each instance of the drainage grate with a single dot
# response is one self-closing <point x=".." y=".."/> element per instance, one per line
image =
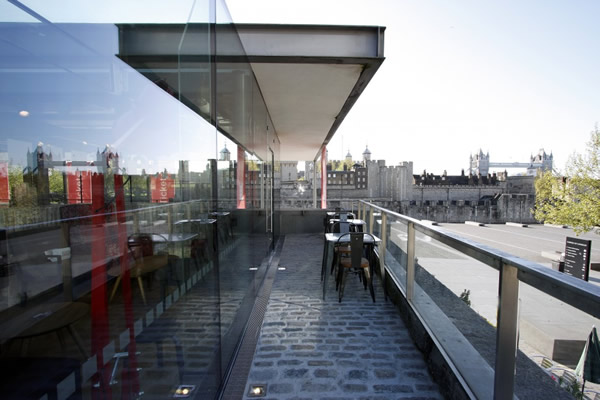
<point x="236" y="383"/>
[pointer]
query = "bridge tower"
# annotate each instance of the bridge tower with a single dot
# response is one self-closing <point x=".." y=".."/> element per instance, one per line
<point x="479" y="163"/>
<point x="541" y="161"/>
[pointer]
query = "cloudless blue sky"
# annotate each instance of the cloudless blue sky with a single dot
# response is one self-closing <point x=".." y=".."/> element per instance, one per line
<point x="508" y="77"/>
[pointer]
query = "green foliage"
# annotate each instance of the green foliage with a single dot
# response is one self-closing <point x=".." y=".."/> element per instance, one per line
<point x="575" y="199"/>
<point x="21" y="193"/>
<point x="465" y="296"/>
<point x="572" y="387"/>
<point x="56" y="181"/>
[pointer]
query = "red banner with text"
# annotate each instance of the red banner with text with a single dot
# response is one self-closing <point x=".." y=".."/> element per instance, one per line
<point x="162" y="188"/>
<point x="79" y="186"/>
<point x="4" y="187"/>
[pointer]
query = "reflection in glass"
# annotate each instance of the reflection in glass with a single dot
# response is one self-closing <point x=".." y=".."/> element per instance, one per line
<point x="123" y="245"/>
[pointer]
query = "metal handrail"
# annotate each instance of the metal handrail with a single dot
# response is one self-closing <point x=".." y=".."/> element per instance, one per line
<point x="512" y="270"/>
<point x="571" y="290"/>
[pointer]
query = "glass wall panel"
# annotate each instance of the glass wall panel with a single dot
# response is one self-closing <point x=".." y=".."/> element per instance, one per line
<point x="127" y="262"/>
<point x="552" y="337"/>
<point x="458" y="297"/>
<point x="242" y="119"/>
<point x="396" y="249"/>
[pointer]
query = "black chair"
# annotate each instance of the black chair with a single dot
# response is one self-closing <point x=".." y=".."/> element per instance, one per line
<point x="160" y="330"/>
<point x="144" y="262"/>
<point x="355" y="263"/>
<point x="340" y="227"/>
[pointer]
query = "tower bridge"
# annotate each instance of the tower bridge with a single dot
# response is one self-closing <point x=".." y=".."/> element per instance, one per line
<point x="480" y="163"/>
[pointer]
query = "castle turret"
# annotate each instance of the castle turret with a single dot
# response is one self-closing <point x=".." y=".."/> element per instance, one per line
<point x="349" y="156"/>
<point x="225" y="154"/>
<point x="366" y="155"/>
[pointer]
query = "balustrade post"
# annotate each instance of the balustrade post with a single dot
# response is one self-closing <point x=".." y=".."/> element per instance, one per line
<point x="506" y="333"/>
<point x="410" y="262"/>
<point x="371" y="220"/>
<point x="382" y="251"/>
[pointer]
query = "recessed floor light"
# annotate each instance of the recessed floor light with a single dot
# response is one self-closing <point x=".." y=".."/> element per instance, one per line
<point x="184" y="391"/>
<point x="253" y="269"/>
<point x="257" y="390"/>
<point x="281" y="269"/>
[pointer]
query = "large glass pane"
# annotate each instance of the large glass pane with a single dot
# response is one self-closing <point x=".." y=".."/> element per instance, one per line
<point x="552" y="336"/>
<point x="396" y="249"/>
<point x="109" y="250"/>
<point x="457" y="296"/>
<point x="241" y="119"/>
<point x="131" y="246"/>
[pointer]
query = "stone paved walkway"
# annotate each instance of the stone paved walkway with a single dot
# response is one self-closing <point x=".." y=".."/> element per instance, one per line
<point x="314" y="349"/>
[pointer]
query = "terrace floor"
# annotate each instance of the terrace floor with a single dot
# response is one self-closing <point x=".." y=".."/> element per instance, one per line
<point x="314" y="349"/>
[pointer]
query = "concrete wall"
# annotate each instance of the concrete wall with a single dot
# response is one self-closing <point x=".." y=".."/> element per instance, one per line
<point x="454" y="193"/>
<point x="507" y="208"/>
<point x="302" y="221"/>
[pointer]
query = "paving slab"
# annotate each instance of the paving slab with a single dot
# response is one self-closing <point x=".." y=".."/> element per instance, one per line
<point x="315" y="349"/>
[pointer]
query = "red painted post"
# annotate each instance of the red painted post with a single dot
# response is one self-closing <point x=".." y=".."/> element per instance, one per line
<point x="130" y="386"/>
<point x="324" y="177"/>
<point x="99" y="308"/>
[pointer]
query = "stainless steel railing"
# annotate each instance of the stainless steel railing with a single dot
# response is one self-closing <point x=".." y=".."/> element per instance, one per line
<point x="511" y="269"/>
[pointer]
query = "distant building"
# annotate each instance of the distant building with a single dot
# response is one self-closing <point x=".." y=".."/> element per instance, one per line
<point x="396" y="184"/>
<point x="366" y="155"/>
<point x="225" y="154"/>
<point x="289" y="171"/>
<point x="540" y="160"/>
<point x="480" y="163"/>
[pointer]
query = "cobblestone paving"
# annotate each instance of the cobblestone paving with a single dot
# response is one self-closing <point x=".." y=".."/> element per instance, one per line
<point x="314" y="349"/>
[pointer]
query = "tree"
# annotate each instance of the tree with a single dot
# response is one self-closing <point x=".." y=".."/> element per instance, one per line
<point x="572" y="199"/>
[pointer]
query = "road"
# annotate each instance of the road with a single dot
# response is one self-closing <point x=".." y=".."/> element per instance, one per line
<point x="547" y="325"/>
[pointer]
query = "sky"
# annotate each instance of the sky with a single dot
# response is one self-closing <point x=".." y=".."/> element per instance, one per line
<point x="509" y="78"/>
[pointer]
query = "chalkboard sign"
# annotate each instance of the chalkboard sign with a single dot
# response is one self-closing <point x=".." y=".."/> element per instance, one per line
<point x="577" y="257"/>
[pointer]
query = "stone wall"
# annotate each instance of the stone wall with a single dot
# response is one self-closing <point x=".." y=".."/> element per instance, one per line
<point x="506" y="208"/>
<point x="454" y="193"/>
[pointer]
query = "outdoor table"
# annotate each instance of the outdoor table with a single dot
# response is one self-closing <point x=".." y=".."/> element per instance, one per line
<point x="223" y="225"/>
<point x="356" y="225"/>
<point x="205" y="229"/>
<point x="180" y="270"/>
<point x="336" y="215"/>
<point x="331" y="239"/>
<point x="44" y="319"/>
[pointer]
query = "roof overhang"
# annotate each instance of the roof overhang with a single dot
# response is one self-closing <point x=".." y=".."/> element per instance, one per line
<point x="309" y="76"/>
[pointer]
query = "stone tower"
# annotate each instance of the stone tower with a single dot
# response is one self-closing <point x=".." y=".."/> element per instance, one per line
<point x="366" y="155"/>
<point x="480" y="163"/>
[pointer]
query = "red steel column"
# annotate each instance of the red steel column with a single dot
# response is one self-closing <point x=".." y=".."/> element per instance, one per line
<point x="324" y="177"/>
<point x="130" y="386"/>
<point x="99" y="309"/>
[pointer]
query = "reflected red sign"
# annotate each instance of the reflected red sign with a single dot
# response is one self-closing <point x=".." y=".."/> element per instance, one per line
<point x="4" y="188"/>
<point x="162" y="188"/>
<point x="79" y="186"/>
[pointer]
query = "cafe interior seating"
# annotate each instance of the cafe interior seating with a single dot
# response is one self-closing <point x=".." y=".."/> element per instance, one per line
<point x="144" y="263"/>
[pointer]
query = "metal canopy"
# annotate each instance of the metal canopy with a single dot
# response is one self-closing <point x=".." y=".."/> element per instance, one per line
<point x="309" y="76"/>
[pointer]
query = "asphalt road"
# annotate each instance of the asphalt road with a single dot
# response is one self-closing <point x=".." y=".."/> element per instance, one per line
<point x="528" y="243"/>
<point x="544" y="320"/>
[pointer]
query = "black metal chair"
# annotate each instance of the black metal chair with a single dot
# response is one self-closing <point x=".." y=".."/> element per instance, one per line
<point x="355" y="263"/>
<point x="144" y="262"/>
